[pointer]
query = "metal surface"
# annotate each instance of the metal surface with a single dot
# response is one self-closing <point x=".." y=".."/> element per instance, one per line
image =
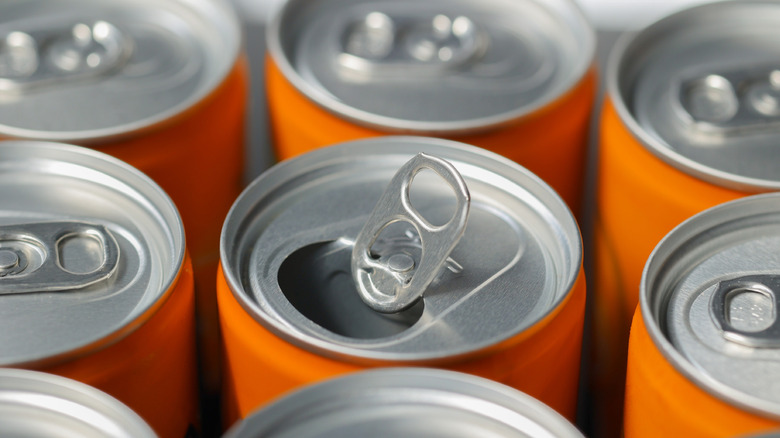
<point x="701" y="90"/>
<point x="406" y="402"/>
<point x="86" y="69"/>
<point x="434" y="66"/>
<point x="34" y="404"/>
<point x="288" y="240"/>
<point x="391" y="282"/>
<point x="47" y="183"/>
<point x="708" y="296"/>
<point x="55" y="256"/>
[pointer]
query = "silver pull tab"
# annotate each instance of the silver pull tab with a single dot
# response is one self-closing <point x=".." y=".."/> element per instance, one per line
<point x="43" y="57"/>
<point x="379" y="46"/>
<point x="394" y="283"/>
<point x="759" y="318"/>
<point x="732" y="102"/>
<point x="55" y="256"/>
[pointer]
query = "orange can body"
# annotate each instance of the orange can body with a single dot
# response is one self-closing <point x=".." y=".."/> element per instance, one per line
<point x="661" y="401"/>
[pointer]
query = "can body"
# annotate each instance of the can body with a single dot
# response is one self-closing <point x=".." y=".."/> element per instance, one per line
<point x="255" y="347"/>
<point x="662" y="159"/>
<point x="131" y="332"/>
<point x="702" y="335"/>
<point x="545" y="130"/>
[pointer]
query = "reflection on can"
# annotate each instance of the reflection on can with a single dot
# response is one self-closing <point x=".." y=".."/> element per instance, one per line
<point x="95" y="283"/>
<point x="686" y="126"/>
<point x="371" y="254"/>
<point x="514" y="77"/>
<point x="704" y="354"/>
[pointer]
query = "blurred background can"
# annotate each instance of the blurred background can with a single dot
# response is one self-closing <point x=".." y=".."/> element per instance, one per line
<point x="507" y="301"/>
<point x="513" y="77"/>
<point x="704" y="356"/>
<point x="691" y="120"/>
<point x="405" y="402"/>
<point x="95" y="281"/>
<point x="161" y="85"/>
<point x="34" y="404"/>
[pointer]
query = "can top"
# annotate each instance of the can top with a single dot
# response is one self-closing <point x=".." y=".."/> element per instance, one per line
<point x="406" y="402"/>
<point x="287" y="247"/>
<point x="433" y="66"/>
<point x="89" y="248"/>
<point x="92" y="69"/>
<point x="710" y="297"/>
<point x="701" y="90"/>
<point x="44" y="405"/>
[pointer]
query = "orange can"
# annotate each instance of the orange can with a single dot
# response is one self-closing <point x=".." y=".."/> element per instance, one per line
<point x="704" y="354"/>
<point x="683" y="129"/>
<point x="161" y="85"/>
<point x="359" y="256"/>
<point x="95" y="281"/>
<point x="514" y="77"/>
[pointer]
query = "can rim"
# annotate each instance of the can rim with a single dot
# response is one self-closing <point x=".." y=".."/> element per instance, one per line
<point x="399" y="125"/>
<point x="356" y="355"/>
<point x="70" y="389"/>
<point x="177" y="233"/>
<point x="664" y="248"/>
<point x="142" y="125"/>
<point x="623" y="46"/>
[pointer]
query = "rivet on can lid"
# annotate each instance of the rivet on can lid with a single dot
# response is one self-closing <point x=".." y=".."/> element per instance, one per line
<point x="8" y="260"/>
<point x="391" y="286"/>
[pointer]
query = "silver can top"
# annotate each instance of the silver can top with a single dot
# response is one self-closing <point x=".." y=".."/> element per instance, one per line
<point x="701" y="90"/>
<point x="433" y="66"/>
<point x="88" y="69"/>
<point x="710" y="296"/>
<point x="34" y="404"/>
<point x="89" y="247"/>
<point x="290" y="250"/>
<point x="408" y="402"/>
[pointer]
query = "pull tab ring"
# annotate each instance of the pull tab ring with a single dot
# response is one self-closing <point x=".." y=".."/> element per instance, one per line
<point x="394" y="284"/>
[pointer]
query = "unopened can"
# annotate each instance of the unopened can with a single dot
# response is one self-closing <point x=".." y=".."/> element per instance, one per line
<point x="692" y="120"/>
<point x="704" y="356"/>
<point x="161" y="85"/>
<point x="95" y="281"/>
<point x="412" y="402"/>
<point x="511" y="76"/>
<point x="34" y="404"/>
<point x="366" y="254"/>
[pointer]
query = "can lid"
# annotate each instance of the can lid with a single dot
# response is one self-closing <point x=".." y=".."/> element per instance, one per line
<point x="89" y="247"/>
<point x="710" y="297"/>
<point x="701" y="90"/>
<point x="433" y="66"/>
<point x="86" y="69"/>
<point x="406" y="402"/>
<point x="44" y="405"/>
<point x="287" y="251"/>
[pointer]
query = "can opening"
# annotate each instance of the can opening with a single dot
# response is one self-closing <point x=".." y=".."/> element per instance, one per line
<point x="317" y="281"/>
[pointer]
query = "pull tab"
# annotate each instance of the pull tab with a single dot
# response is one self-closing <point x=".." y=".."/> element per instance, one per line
<point x="379" y="46"/>
<point x="55" y="256"/>
<point x="734" y="101"/>
<point x="394" y="283"/>
<point x="47" y="56"/>
<point x="760" y="315"/>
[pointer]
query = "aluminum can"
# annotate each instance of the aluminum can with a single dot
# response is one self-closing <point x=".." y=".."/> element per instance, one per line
<point x="95" y="281"/>
<point x="706" y="332"/>
<point x="514" y="77"/>
<point x="688" y="124"/>
<point x="161" y="85"/>
<point x="34" y="404"/>
<point x="366" y="254"/>
<point x="405" y="402"/>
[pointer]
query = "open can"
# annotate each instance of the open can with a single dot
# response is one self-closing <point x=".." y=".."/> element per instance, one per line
<point x="512" y="76"/>
<point x="95" y="281"/>
<point x="400" y="251"/>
